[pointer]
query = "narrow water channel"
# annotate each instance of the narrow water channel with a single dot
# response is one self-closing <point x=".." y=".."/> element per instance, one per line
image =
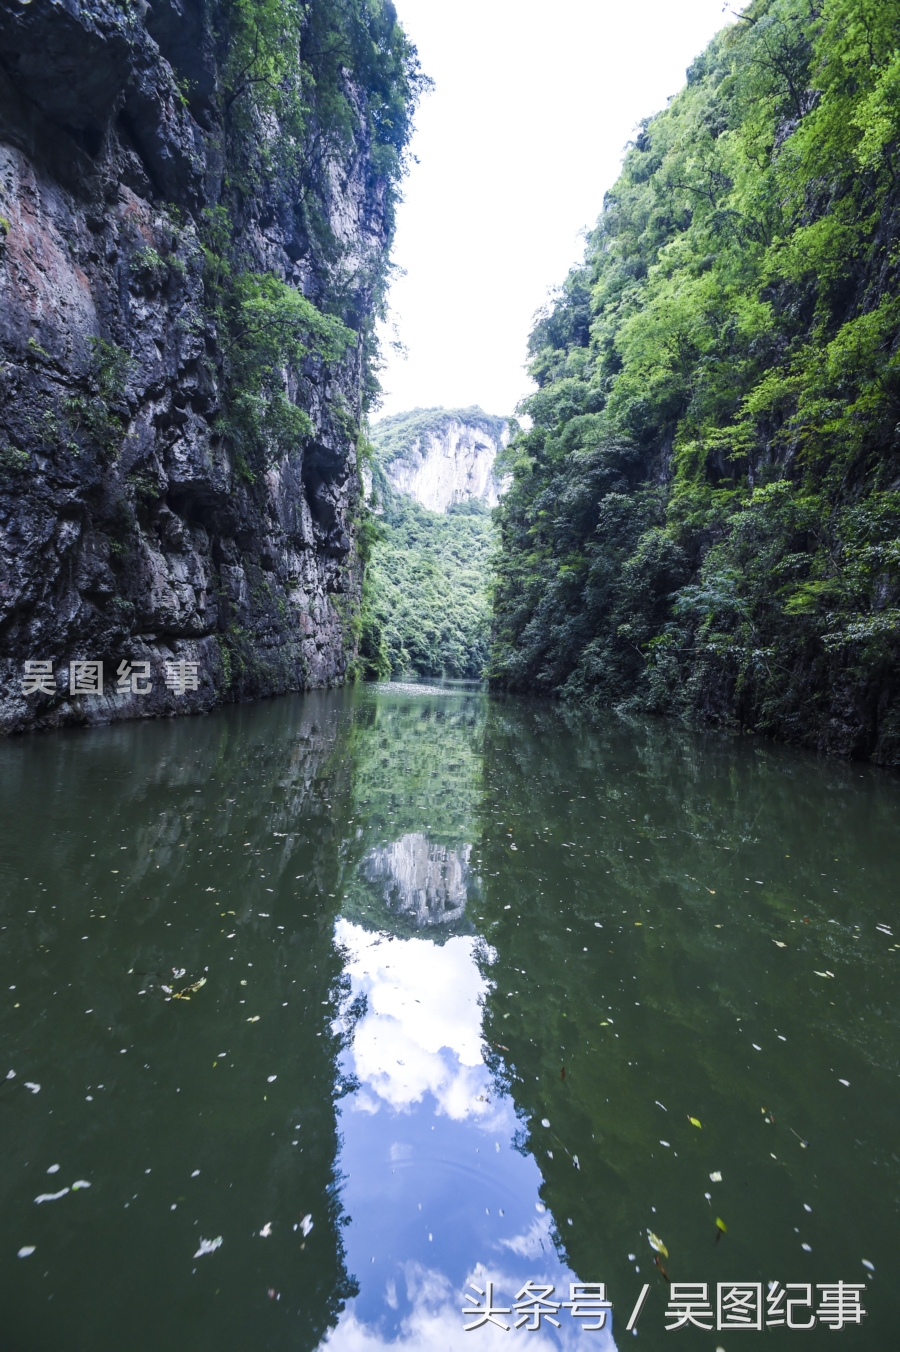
<point x="317" y="1011"/>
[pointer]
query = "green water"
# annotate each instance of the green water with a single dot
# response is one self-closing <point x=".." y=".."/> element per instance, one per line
<point x="429" y="922"/>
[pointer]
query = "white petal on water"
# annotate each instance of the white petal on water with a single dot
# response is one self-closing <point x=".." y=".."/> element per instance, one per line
<point x="208" y="1246"/>
<point x="51" y="1196"/>
<point x="26" y="1250"/>
<point x="35" y="1088"/>
<point x="271" y="1078"/>
<point x="544" y="1122"/>
<point x="867" y="1264"/>
<point x="306" y="1225"/>
<point x="666" y="1144"/>
<point x="54" y="1169"/>
<point x="195" y="1174"/>
<point x="79" y="1184"/>
<point x="266" y="1230"/>
<point x="11" y="1075"/>
<point x="715" y="1176"/>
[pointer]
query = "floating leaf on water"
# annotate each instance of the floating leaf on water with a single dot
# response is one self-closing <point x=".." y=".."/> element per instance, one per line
<point x="657" y="1244"/>
<point x="720" y="1224"/>
<point x="189" y="990"/>
<point x="695" y="1122"/>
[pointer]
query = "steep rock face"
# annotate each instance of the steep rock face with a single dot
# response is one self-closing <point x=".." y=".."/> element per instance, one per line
<point x="445" y="457"/>
<point x="132" y="527"/>
<point x="422" y="881"/>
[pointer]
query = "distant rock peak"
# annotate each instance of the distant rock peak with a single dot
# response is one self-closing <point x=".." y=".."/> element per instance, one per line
<point x="441" y="457"/>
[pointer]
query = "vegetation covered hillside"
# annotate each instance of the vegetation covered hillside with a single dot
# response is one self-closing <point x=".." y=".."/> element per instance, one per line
<point x="704" y="514"/>
<point x="426" y="606"/>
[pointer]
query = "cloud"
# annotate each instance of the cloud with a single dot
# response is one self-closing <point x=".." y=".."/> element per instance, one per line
<point x="435" y="1321"/>
<point x="421" y="1032"/>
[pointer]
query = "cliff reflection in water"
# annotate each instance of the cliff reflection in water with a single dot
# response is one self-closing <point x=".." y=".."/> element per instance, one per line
<point x="419" y="880"/>
<point x="206" y="847"/>
<point x="475" y="970"/>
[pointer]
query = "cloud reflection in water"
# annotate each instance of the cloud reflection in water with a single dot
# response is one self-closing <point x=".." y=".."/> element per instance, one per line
<point x="437" y="1193"/>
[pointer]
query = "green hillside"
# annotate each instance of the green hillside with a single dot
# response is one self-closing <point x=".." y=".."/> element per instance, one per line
<point x="426" y="603"/>
<point x="705" y="512"/>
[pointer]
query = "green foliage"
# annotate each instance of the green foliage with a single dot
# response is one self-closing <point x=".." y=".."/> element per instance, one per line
<point x="99" y="415"/>
<point x="305" y="88"/>
<point x="13" y="460"/>
<point x="426" y="604"/>
<point x="267" y="329"/>
<point x="304" y="84"/>
<point x="426" y="589"/>
<point x="148" y="267"/>
<point x="702" y="512"/>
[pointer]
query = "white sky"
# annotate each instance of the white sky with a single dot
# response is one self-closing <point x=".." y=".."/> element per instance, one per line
<point x="517" y="143"/>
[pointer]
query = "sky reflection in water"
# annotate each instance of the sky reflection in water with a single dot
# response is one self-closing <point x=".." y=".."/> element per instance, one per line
<point x="431" y="923"/>
<point x="438" y="1194"/>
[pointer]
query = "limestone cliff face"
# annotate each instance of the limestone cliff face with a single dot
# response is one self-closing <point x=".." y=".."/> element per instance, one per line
<point x="130" y="529"/>
<point x="445" y="456"/>
<point x="425" y="883"/>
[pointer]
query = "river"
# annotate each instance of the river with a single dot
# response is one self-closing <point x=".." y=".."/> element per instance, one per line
<point x="321" y="1011"/>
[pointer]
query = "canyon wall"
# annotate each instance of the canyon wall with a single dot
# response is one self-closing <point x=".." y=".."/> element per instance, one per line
<point x="441" y="457"/>
<point x="195" y="213"/>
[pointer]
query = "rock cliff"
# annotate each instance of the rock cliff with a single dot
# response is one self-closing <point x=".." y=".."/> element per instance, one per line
<point x="195" y="211"/>
<point x="441" y="457"/>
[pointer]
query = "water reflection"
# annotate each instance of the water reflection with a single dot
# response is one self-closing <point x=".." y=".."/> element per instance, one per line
<point x="439" y="1193"/>
<point x="421" y="1030"/>
<point x="475" y="970"/>
<point x="421" y="881"/>
<point x="205" y="848"/>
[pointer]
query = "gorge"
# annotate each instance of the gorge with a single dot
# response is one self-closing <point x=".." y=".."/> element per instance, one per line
<point x="426" y="598"/>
